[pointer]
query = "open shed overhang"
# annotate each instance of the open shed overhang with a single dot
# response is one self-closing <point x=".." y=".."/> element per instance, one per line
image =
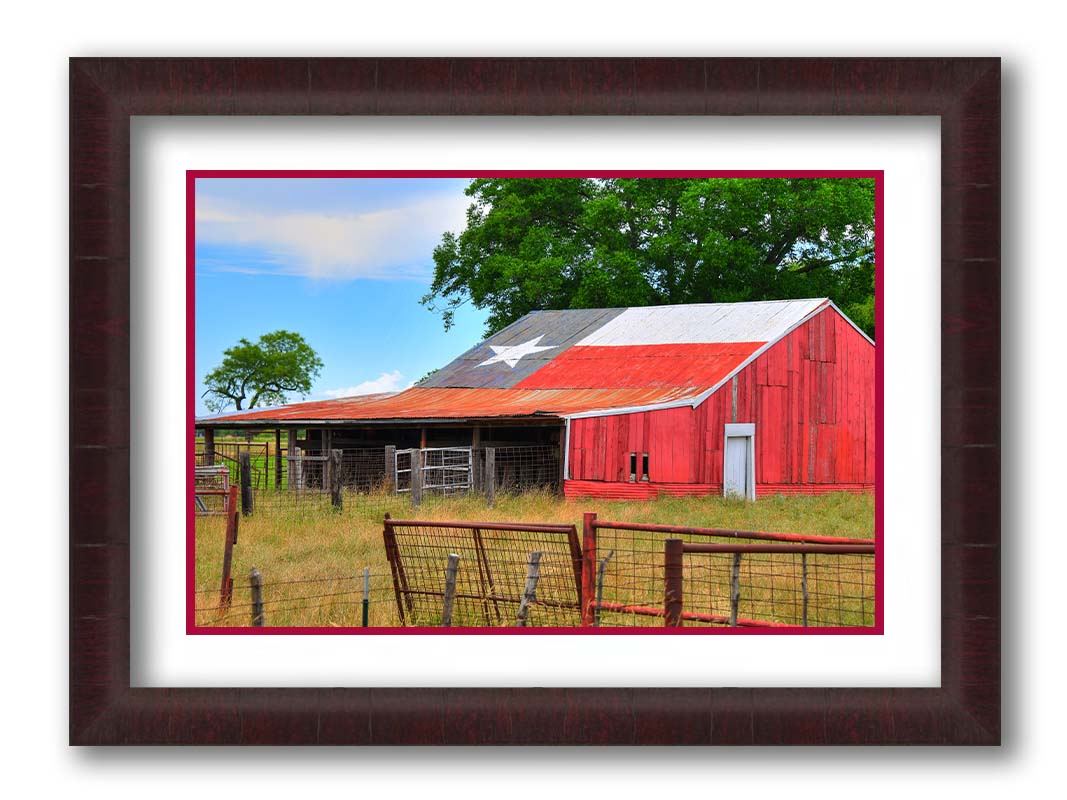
<point x="406" y="422"/>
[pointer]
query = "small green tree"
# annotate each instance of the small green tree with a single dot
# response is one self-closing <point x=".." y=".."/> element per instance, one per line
<point x="262" y="372"/>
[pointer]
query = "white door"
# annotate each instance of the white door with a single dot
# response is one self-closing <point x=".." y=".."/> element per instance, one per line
<point x="738" y="462"/>
<point x="735" y="478"/>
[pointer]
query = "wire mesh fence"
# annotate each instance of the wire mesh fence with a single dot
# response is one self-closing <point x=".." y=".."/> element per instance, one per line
<point x="228" y="454"/>
<point x="519" y="468"/>
<point x="364" y="469"/>
<point x="374" y="479"/>
<point x="492" y="573"/>
<point x="334" y="601"/>
<point x="763" y="585"/>
<point x="775" y="588"/>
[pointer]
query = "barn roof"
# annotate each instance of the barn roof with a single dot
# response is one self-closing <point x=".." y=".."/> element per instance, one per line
<point x="577" y="362"/>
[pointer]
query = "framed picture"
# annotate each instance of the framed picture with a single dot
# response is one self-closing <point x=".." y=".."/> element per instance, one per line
<point x="110" y="173"/>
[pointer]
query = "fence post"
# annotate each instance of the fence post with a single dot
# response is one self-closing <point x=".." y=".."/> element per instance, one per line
<point x="673" y="569"/>
<point x="232" y="516"/>
<point x="450" y="590"/>
<point x="490" y="475"/>
<point x="277" y="458"/>
<point x="390" y="467"/>
<point x="324" y="450"/>
<point x="335" y="479"/>
<point x="416" y="477"/>
<point x="804" y="587"/>
<point x="529" y="591"/>
<point x="600" y="588"/>
<point x="366" y="595"/>
<point x="297" y="478"/>
<point x="209" y="447"/>
<point x="735" y="589"/>
<point x="255" y="581"/>
<point x="588" y="567"/>
<point x="245" y="460"/>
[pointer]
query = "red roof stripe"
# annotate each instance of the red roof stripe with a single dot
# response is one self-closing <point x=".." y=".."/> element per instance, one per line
<point x="637" y="366"/>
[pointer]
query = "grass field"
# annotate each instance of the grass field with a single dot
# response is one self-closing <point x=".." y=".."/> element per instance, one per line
<point x="311" y="557"/>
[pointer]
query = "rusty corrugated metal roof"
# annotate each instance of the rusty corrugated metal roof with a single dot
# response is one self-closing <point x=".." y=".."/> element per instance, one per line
<point x="421" y="403"/>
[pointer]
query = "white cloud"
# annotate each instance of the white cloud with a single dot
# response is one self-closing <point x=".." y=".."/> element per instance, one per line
<point x="386" y="382"/>
<point x="388" y="243"/>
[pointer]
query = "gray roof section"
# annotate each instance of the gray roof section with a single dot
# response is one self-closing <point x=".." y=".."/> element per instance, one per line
<point x="558" y="330"/>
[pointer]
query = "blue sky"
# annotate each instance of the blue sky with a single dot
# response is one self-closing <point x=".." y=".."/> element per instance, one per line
<point x="342" y="261"/>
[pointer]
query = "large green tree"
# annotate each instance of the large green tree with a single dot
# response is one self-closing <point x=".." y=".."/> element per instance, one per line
<point x="552" y="243"/>
<point x="262" y="372"/>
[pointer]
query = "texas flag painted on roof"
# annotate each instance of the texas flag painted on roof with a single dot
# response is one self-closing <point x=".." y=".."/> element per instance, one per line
<point x="575" y="361"/>
<point x="623" y="348"/>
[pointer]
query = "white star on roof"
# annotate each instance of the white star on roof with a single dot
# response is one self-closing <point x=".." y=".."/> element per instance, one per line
<point x="510" y="355"/>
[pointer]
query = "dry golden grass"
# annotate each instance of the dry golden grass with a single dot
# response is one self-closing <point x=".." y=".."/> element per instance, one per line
<point x="312" y="557"/>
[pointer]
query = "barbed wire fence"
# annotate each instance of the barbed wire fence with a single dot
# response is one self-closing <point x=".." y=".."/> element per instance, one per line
<point x="361" y="599"/>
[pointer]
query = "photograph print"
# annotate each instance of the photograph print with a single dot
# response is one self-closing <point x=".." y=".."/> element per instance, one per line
<point x="639" y="403"/>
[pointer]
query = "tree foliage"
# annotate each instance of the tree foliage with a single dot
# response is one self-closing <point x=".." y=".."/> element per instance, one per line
<point x="262" y="372"/>
<point x="554" y="243"/>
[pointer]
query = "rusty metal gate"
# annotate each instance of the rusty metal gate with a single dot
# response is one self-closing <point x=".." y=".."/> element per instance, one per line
<point x="447" y="470"/>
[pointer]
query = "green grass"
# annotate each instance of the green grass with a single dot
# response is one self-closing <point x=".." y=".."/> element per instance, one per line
<point x="311" y="556"/>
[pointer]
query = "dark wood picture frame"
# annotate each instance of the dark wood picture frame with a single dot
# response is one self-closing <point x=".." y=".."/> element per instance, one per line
<point x="105" y="93"/>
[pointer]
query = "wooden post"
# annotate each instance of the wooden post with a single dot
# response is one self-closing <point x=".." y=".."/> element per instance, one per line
<point x="277" y="458"/>
<point x="290" y="451"/>
<point x="490" y="475"/>
<point x="366" y="595"/>
<point x="209" y="447"/>
<point x="735" y="589"/>
<point x="673" y="570"/>
<point x="529" y="591"/>
<point x="477" y="470"/>
<point x="416" y="478"/>
<point x="245" y="460"/>
<point x="297" y="464"/>
<point x="255" y="581"/>
<point x="335" y="478"/>
<point x="450" y="590"/>
<point x="390" y="467"/>
<point x="325" y="437"/>
<point x="588" y="567"/>
<point x="232" y="516"/>
<point x="562" y="459"/>
<point x="422" y="439"/>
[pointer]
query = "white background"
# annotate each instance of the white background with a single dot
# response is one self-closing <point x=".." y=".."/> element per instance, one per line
<point x="35" y="206"/>
<point x="907" y="149"/>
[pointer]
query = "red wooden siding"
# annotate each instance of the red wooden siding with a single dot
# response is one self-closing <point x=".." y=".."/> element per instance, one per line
<point x="811" y="396"/>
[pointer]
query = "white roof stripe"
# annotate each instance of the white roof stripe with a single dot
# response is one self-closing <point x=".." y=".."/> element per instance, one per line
<point x="707" y="323"/>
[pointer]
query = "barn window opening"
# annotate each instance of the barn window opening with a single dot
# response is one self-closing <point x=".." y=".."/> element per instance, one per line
<point x="633" y="467"/>
<point x="644" y="466"/>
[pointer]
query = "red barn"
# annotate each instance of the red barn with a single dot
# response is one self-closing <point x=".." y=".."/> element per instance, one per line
<point x="749" y="398"/>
